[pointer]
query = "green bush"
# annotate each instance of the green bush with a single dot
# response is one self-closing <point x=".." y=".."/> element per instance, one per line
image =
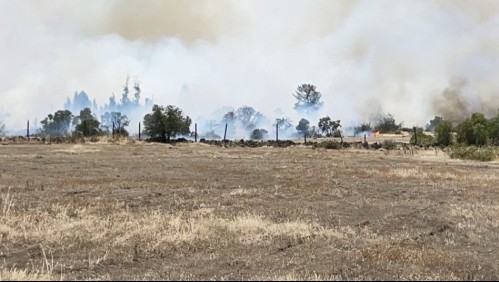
<point x="389" y="145"/>
<point x="484" y="154"/>
<point x="332" y="144"/>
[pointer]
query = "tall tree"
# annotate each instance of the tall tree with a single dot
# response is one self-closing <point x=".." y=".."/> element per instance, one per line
<point x="308" y="98"/>
<point x="443" y="133"/>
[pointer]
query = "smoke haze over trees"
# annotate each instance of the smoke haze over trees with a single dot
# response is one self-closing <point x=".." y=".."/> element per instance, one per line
<point x="407" y="56"/>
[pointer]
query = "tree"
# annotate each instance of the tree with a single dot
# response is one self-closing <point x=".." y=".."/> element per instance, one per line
<point x="303" y="127"/>
<point x="248" y="117"/>
<point x="364" y="127"/>
<point x="57" y="124"/>
<point x="259" y="134"/>
<point x="328" y="126"/>
<point x="494" y="129"/>
<point x="283" y="123"/>
<point x="474" y="130"/>
<point x="387" y="124"/>
<point x="443" y="133"/>
<point x="80" y="102"/>
<point x="115" y="120"/>
<point x="308" y="98"/>
<point x="165" y="123"/>
<point x="434" y="123"/>
<point x="86" y="123"/>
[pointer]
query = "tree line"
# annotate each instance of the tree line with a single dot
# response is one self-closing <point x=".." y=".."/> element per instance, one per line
<point x="166" y="122"/>
<point x="476" y="130"/>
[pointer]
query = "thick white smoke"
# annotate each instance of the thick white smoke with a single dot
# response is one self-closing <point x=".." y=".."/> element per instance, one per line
<point x="203" y="55"/>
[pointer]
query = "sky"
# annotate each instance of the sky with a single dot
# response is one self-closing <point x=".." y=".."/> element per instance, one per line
<point x="413" y="59"/>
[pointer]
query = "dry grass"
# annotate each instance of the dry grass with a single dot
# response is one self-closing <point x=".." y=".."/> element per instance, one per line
<point x="104" y="211"/>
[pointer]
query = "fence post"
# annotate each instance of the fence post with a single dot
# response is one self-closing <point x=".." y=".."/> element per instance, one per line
<point x="195" y="133"/>
<point x="27" y="130"/>
<point x="277" y="132"/>
<point x="139" y="131"/>
<point x="225" y="133"/>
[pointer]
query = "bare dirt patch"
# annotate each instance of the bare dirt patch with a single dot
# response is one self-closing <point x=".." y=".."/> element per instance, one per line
<point x="193" y="211"/>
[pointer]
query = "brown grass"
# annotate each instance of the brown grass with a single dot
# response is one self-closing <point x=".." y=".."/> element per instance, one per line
<point x="102" y="211"/>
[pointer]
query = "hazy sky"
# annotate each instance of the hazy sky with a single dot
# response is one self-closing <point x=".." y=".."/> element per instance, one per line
<point x="400" y="55"/>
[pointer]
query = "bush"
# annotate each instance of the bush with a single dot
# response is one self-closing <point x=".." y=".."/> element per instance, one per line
<point x="389" y="145"/>
<point x="484" y="154"/>
<point x="332" y="144"/>
<point x="423" y="139"/>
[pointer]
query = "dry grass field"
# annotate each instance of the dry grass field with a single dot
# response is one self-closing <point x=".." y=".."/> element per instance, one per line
<point x="192" y="211"/>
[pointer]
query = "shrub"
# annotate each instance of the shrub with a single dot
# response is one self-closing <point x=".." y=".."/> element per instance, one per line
<point x="331" y="144"/>
<point x="259" y="134"/>
<point x="484" y="154"/>
<point x="423" y="139"/>
<point x="389" y="145"/>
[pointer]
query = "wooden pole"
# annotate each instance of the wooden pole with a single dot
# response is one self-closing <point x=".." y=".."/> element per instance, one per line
<point x="195" y="132"/>
<point x="113" y="129"/>
<point x="305" y="136"/>
<point x="139" y="131"/>
<point x="277" y="132"/>
<point x="225" y="133"/>
<point x="27" y="131"/>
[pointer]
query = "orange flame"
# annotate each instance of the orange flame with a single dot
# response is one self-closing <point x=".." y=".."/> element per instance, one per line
<point x="376" y="134"/>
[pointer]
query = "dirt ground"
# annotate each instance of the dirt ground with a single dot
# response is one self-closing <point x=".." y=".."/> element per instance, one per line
<point x="192" y="211"/>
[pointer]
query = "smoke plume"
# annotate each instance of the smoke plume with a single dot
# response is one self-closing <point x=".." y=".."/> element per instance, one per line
<point x="204" y="55"/>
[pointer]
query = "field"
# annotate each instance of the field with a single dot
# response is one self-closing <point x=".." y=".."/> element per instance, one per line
<point x="135" y="211"/>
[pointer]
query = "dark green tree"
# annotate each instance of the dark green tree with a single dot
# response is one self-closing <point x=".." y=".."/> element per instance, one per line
<point x="443" y="133"/>
<point x="86" y="123"/>
<point x="165" y="123"/>
<point x="474" y="130"/>
<point x="494" y="129"/>
<point x="303" y="127"/>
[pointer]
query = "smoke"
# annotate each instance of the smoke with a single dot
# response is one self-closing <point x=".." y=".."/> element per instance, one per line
<point x="204" y="55"/>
